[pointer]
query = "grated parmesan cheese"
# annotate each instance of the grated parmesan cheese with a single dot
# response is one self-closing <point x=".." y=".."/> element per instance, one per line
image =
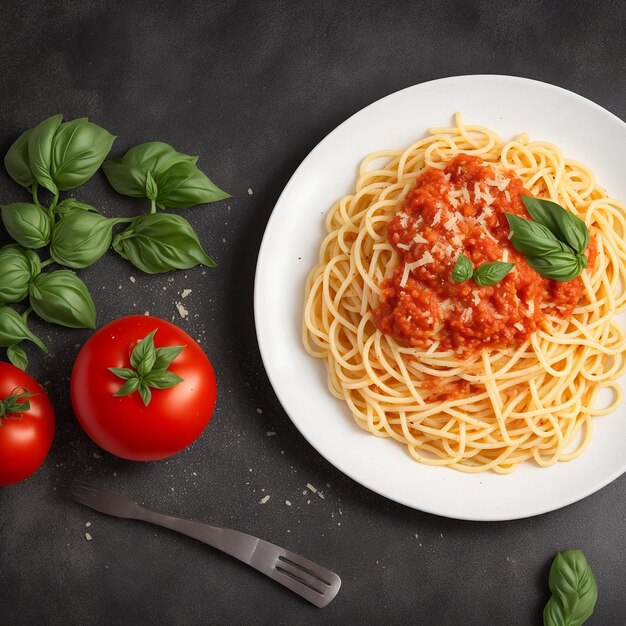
<point x="476" y="298"/>
<point x="404" y="246"/>
<point x="519" y="326"/>
<point x="531" y="306"/>
<point x="507" y="195"/>
<point x="419" y="239"/>
<point x="437" y="217"/>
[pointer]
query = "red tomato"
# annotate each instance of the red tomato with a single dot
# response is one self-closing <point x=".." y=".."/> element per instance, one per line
<point x="25" y="437"/>
<point x="124" y="425"/>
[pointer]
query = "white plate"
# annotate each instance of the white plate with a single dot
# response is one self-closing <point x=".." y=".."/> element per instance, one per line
<point x="509" y="105"/>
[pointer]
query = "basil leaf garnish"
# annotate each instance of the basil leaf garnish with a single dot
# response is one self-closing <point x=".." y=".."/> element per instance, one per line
<point x="13" y="329"/>
<point x="162" y="379"/>
<point x="463" y="269"/>
<point x="563" y="224"/>
<point x="62" y="298"/>
<point x="532" y="238"/>
<point x="70" y="205"/>
<point x="160" y="242"/>
<point x="492" y="273"/>
<point x="40" y="151"/>
<point x="81" y="238"/>
<point x="16" y="161"/>
<point x="28" y="224"/>
<point x="78" y="149"/>
<point x="128" y="175"/>
<point x="574" y="591"/>
<point x="157" y="171"/>
<point x="561" y="266"/>
<point x="183" y="185"/>
<point x="18" y="357"/>
<point x="17" y="267"/>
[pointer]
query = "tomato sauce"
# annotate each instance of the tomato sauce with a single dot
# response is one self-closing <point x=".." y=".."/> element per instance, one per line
<point x="461" y="210"/>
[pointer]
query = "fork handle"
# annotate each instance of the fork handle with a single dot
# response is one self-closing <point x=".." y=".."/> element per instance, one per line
<point x="240" y="545"/>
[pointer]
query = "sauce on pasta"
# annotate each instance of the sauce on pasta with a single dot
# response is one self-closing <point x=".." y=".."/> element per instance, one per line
<point x="461" y="210"/>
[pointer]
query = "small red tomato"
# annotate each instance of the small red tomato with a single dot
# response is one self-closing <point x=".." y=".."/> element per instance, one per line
<point x="142" y="388"/>
<point x="26" y="425"/>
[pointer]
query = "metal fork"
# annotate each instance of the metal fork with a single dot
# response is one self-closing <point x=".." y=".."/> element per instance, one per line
<point x="313" y="582"/>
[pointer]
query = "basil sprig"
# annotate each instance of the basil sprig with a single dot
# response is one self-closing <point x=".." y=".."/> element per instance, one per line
<point x="58" y="156"/>
<point x="485" y="275"/>
<point x="168" y="178"/>
<point x="149" y="369"/>
<point x="555" y="243"/>
<point x="574" y="590"/>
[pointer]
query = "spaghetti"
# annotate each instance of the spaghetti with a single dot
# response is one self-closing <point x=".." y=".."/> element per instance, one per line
<point x="478" y="405"/>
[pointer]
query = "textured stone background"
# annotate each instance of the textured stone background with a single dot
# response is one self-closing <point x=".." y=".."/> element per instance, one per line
<point x="252" y="87"/>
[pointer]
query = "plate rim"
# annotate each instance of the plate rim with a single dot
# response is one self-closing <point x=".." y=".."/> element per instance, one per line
<point x="492" y="516"/>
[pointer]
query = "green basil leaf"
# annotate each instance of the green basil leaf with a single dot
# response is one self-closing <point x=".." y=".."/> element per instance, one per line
<point x="130" y="386"/>
<point x="18" y="357"/>
<point x="40" y="151"/>
<point x="166" y="355"/>
<point x="159" y="242"/>
<point x="81" y="238"/>
<point x="71" y="205"/>
<point x="78" y="149"/>
<point x="463" y="269"/>
<point x="563" y="224"/>
<point x="533" y="238"/>
<point x="16" y="161"/>
<point x="16" y="271"/>
<point x="27" y="223"/>
<point x="13" y="329"/>
<point x="561" y="266"/>
<point x="183" y="185"/>
<point x="151" y="187"/>
<point x="62" y="298"/>
<point x="143" y="355"/>
<point x="574" y="590"/>
<point x="491" y="273"/>
<point x="125" y="373"/>
<point x="128" y="175"/>
<point x="161" y="379"/>
<point x="145" y="393"/>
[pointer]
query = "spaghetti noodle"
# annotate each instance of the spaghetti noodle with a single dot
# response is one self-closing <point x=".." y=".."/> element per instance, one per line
<point x="486" y="405"/>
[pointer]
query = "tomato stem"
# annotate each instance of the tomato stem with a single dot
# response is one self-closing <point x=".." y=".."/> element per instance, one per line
<point x="14" y="406"/>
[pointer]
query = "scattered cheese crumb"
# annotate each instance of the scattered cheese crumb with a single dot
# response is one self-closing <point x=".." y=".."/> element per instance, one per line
<point x="132" y="279"/>
<point x="404" y="246"/>
<point x="287" y="503"/>
<point x="259" y="411"/>
<point x="185" y="292"/>
<point x="88" y="524"/>
<point x="310" y="487"/>
<point x="437" y="217"/>
<point x="476" y="298"/>
<point x="88" y="537"/>
<point x="519" y="326"/>
<point x="270" y="433"/>
<point x="264" y="499"/>
<point x="320" y="494"/>
<point x="249" y="191"/>
<point x="182" y="311"/>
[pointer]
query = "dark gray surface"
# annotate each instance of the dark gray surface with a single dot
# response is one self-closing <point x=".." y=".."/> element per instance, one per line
<point x="252" y="90"/>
